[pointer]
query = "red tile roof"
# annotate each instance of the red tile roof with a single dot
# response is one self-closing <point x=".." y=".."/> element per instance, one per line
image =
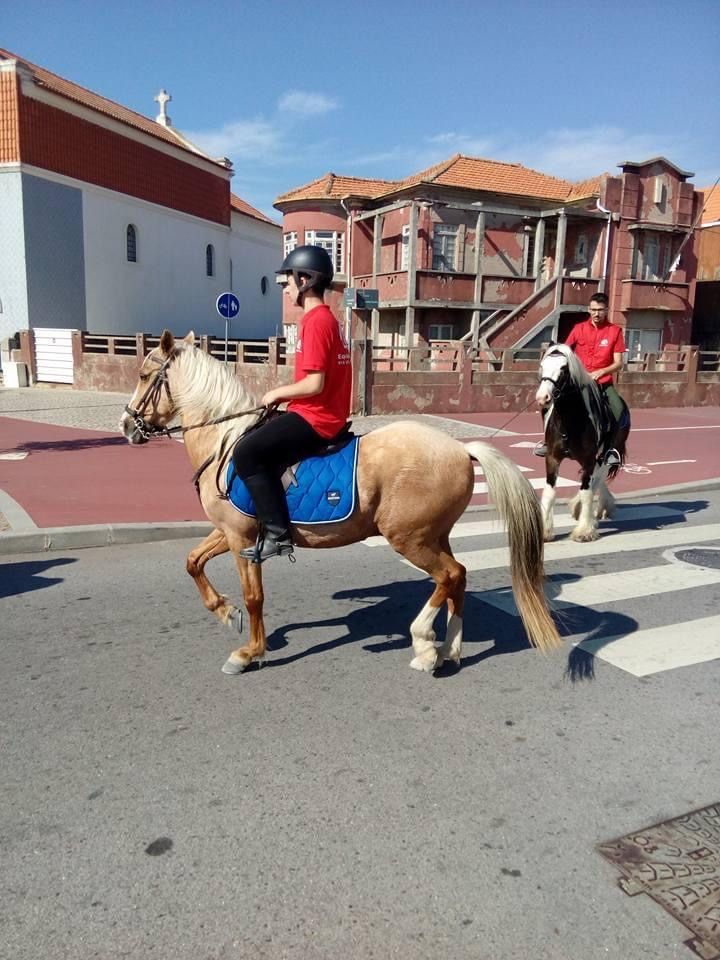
<point x="492" y="176"/>
<point x="587" y="188"/>
<point x="73" y="91"/>
<point x="333" y="186"/>
<point x="242" y="206"/>
<point x="711" y="213"/>
<point x="468" y="173"/>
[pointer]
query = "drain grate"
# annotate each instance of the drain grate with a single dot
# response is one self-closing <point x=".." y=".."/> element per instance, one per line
<point x="677" y="863"/>
<point x="700" y="556"/>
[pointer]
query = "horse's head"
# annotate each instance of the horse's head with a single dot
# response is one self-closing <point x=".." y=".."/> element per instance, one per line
<point x="553" y="373"/>
<point x="151" y="407"/>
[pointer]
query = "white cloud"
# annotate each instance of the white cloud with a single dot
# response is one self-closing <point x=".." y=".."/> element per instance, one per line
<point x="585" y="152"/>
<point x="244" y="140"/>
<point x="573" y="154"/>
<point x="451" y="142"/>
<point x="306" y="104"/>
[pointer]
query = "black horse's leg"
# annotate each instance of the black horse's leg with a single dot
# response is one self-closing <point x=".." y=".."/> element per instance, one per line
<point x="581" y="507"/>
<point x="552" y="465"/>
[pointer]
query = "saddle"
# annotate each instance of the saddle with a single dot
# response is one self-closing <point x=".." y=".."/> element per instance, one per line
<point x="603" y="419"/>
<point x="320" y="489"/>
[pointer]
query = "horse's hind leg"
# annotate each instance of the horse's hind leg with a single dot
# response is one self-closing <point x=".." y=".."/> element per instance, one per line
<point x="450" y="579"/>
<point x="253" y="593"/>
<point x="214" y="545"/>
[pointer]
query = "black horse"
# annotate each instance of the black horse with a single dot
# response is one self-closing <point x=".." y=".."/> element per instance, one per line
<point x="580" y="426"/>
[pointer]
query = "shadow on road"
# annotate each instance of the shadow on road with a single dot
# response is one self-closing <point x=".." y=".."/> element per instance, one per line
<point x="59" y="446"/>
<point x="387" y="611"/>
<point x="26" y="576"/>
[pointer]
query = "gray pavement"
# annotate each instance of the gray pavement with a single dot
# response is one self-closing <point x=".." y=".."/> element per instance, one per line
<point x="90" y="410"/>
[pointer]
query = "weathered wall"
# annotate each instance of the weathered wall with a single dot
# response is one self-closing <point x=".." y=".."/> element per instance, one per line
<point x="709" y="253"/>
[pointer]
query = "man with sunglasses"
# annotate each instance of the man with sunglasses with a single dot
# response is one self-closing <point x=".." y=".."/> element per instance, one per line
<point x="599" y="345"/>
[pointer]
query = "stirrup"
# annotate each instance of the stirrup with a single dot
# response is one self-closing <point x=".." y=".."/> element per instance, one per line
<point x="265" y="548"/>
<point x="612" y="458"/>
<point x="540" y="450"/>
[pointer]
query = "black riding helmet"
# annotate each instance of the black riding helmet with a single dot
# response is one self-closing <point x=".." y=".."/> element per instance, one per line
<point x="313" y="263"/>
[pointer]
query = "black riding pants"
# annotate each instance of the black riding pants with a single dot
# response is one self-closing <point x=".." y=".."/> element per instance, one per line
<point x="268" y="451"/>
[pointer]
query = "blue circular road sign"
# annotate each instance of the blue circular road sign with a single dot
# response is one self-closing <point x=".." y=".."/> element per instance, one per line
<point x="227" y="305"/>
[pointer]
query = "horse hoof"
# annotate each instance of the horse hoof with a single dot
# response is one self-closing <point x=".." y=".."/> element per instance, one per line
<point x="235" y="620"/>
<point x="427" y="662"/>
<point x="585" y="537"/>
<point x="233" y="667"/>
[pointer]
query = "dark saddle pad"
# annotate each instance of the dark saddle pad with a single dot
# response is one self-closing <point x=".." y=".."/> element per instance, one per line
<point x="321" y="489"/>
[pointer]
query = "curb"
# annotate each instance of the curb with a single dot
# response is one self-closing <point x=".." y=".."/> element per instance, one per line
<point x="99" y="535"/>
<point x="107" y="535"/>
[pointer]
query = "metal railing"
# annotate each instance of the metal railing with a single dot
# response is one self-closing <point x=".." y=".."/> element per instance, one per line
<point x="238" y="351"/>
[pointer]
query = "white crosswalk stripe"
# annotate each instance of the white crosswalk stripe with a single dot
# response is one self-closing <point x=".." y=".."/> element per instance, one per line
<point x="646" y="650"/>
<point x="537" y="483"/>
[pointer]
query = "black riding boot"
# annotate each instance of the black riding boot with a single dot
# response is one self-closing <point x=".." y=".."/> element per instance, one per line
<point x="274" y="536"/>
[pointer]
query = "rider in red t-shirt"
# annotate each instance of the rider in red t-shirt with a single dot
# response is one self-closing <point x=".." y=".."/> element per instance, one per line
<point x="599" y="345"/>
<point x="318" y="408"/>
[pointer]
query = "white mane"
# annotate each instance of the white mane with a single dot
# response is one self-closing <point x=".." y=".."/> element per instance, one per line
<point x="204" y="388"/>
<point x="577" y="371"/>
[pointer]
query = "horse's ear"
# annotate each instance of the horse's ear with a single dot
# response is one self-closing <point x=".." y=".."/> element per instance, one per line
<point x="167" y="342"/>
<point x="189" y="340"/>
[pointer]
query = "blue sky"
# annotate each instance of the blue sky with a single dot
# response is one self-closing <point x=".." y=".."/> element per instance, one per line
<point x="383" y="89"/>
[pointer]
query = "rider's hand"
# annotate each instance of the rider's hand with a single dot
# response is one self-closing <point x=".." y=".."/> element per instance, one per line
<point x="269" y="399"/>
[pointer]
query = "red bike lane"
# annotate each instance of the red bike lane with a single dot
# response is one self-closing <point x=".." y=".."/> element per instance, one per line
<point x="66" y="476"/>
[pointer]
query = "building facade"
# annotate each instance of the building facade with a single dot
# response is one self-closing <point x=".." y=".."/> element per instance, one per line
<point x="706" y="316"/>
<point x="115" y="223"/>
<point x="503" y="256"/>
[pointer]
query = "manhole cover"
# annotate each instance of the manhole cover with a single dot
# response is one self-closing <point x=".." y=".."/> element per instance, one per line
<point x="677" y="863"/>
<point x="700" y="556"/>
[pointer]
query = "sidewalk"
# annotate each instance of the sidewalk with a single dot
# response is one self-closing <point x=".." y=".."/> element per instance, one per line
<point x="68" y="479"/>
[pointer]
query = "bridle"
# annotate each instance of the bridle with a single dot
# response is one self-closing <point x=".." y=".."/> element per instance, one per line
<point x="566" y="384"/>
<point x="151" y="396"/>
<point x="149" y="430"/>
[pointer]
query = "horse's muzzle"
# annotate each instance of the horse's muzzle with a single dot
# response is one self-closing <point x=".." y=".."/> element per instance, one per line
<point x="130" y="429"/>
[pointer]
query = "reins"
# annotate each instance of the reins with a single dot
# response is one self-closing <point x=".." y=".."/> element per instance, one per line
<point x="150" y="431"/>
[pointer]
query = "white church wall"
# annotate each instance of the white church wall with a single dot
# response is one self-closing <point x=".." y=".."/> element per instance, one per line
<point x="13" y="282"/>
<point x="256" y="253"/>
<point x="168" y="285"/>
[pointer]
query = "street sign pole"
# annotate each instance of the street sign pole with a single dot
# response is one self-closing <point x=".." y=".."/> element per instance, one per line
<point x="228" y="306"/>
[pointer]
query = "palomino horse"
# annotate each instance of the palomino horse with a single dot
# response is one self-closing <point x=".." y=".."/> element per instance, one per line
<point x="413" y="483"/>
<point x="571" y="432"/>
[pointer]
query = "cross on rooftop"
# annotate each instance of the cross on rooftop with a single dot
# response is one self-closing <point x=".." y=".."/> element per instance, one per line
<point x="163" y="98"/>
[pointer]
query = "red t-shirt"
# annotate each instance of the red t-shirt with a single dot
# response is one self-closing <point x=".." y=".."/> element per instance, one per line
<point x="322" y="347"/>
<point x="595" y="346"/>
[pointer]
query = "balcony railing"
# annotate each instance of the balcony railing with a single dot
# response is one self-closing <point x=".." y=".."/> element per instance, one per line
<point x="654" y="295"/>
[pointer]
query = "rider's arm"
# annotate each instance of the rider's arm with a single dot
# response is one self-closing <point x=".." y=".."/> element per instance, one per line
<point x="612" y="368"/>
<point x="310" y="386"/>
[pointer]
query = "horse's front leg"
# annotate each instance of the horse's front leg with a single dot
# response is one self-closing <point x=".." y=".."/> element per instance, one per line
<point x="606" y="501"/>
<point x="254" y="649"/>
<point x="552" y="465"/>
<point x="214" y="545"/>
<point x="582" y="507"/>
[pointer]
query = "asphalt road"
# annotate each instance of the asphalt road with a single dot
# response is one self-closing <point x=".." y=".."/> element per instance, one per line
<point x="337" y="804"/>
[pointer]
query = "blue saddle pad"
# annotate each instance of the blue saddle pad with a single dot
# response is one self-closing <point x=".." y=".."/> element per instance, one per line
<point x="324" y="492"/>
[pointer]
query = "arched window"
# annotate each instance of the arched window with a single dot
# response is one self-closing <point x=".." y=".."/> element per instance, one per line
<point x="264" y="285"/>
<point x="209" y="260"/>
<point x="131" y="243"/>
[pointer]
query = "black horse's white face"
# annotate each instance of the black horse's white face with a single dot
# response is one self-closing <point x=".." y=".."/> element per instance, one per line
<point x="552" y="366"/>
